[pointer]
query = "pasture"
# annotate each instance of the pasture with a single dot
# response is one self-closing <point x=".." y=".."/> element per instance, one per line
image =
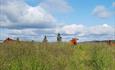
<point x="56" y="56"/>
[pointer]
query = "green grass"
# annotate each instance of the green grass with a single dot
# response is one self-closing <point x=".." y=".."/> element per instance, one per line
<point x="56" y="56"/>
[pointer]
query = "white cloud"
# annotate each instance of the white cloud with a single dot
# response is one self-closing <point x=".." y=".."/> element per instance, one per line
<point x="57" y="5"/>
<point x="101" y="11"/>
<point x="22" y="32"/>
<point x="36" y="15"/>
<point x="82" y="30"/>
<point x="4" y="21"/>
<point x="113" y="4"/>
<point x="21" y="14"/>
<point x="73" y="29"/>
<point x="27" y="34"/>
<point x="101" y="29"/>
<point x="97" y="32"/>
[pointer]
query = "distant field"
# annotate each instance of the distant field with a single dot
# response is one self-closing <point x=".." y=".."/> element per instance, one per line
<point x="56" y="56"/>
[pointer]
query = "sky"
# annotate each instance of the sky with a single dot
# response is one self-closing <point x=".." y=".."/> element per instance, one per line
<point x="33" y="19"/>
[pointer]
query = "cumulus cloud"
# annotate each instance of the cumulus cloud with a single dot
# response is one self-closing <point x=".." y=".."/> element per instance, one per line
<point x="97" y="32"/>
<point x="102" y="29"/>
<point x="58" y="5"/>
<point x="28" y="34"/>
<point x="36" y="15"/>
<point x="82" y="30"/>
<point x="101" y="12"/>
<point x="20" y="15"/>
<point x="16" y="14"/>
<point x="22" y="32"/>
<point x="4" y="22"/>
<point x="73" y="29"/>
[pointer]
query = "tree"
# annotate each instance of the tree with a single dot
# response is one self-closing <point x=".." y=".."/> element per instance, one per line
<point x="18" y="39"/>
<point x="59" y="38"/>
<point x="45" y="39"/>
<point x="32" y="41"/>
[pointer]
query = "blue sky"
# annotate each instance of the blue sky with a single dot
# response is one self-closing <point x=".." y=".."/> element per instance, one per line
<point x="81" y="11"/>
<point x="32" y="19"/>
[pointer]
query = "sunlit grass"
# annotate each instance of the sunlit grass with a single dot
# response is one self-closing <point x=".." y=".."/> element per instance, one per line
<point x="56" y="56"/>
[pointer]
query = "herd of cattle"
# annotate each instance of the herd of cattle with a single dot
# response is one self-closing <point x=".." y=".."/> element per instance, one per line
<point x="9" y="40"/>
<point x="72" y="42"/>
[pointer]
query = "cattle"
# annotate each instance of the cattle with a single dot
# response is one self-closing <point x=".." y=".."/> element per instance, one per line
<point x="111" y="42"/>
<point x="8" y="40"/>
<point x="73" y="42"/>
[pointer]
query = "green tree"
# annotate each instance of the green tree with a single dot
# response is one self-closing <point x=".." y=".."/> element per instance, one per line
<point x="59" y="38"/>
<point x="45" y="39"/>
<point x="18" y="39"/>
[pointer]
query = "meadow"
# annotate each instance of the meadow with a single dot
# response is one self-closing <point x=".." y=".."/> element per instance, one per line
<point x="56" y="56"/>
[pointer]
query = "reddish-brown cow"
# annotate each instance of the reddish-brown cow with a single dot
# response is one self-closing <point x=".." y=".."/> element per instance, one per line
<point x="73" y="42"/>
<point x="8" y="40"/>
<point x="111" y="43"/>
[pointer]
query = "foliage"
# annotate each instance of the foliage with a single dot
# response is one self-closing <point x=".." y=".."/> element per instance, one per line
<point x="45" y="39"/>
<point x="59" y="38"/>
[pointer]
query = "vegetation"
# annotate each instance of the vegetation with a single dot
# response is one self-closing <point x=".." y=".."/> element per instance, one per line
<point x="59" y="38"/>
<point x="45" y="39"/>
<point x="56" y="56"/>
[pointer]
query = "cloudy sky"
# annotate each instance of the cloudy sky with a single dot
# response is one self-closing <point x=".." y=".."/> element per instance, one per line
<point x="32" y="19"/>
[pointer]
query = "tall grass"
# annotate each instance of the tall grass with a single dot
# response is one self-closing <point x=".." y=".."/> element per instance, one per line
<point x="56" y="56"/>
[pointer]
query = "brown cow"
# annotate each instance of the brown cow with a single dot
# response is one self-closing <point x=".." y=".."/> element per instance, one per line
<point x="111" y="43"/>
<point x="73" y="42"/>
<point x="8" y="40"/>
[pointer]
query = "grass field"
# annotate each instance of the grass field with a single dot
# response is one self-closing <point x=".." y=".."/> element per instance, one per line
<point x="56" y="56"/>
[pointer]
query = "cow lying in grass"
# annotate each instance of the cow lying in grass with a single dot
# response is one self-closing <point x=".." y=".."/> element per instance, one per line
<point x="8" y="40"/>
<point x="73" y="42"/>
